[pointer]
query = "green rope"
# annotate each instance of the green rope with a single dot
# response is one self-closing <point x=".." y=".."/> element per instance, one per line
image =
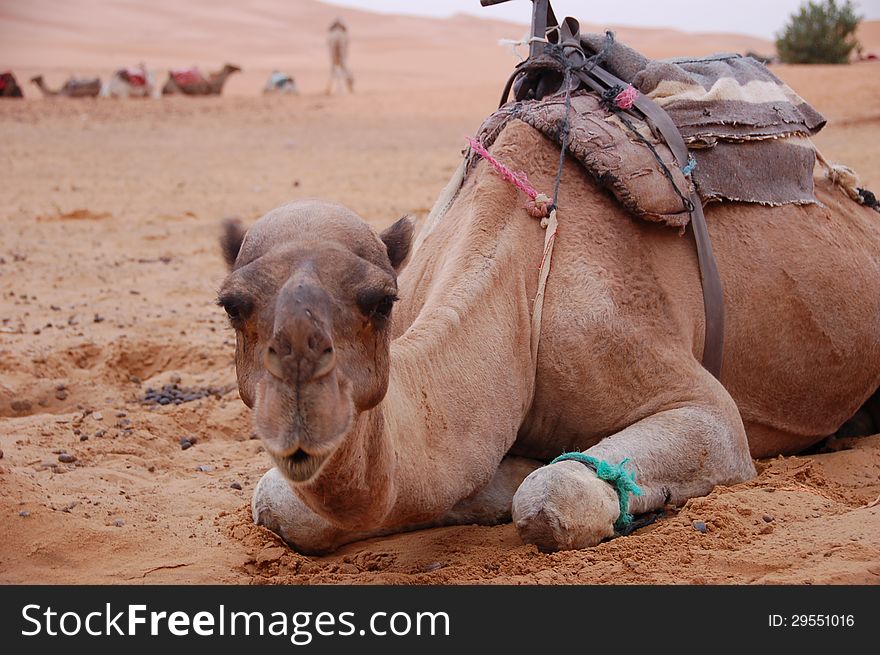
<point x="616" y="475"/>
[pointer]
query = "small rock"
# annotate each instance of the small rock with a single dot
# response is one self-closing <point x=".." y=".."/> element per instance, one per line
<point x="1" y="454"/>
<point x="185" y="443"/>
<point x="134" y="378"/>
<point x="98" y="318"/>
<point x="204" y="468"/>
<point x="60" y="386"/>
<point x="66" y="458"/>
<point x="700" y="526"/>
<point x="83" y="437"/>
<point x="100" y="433"/>
<point x="61" y="394"/>
<point x="98" y="416"/>
<point x="766" y="529"/>
<point x="175" y="379"/>
<point x="119" y="523"/>
<point x="151" y="469"/>
<point x="348" y="568"/>
<point x="234" y="485"/>
<point x="767" y="518"/>
<point x="24" y="513"/>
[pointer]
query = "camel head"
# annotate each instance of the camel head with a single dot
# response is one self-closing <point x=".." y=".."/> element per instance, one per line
<point x="231" y="68"/>
<point x="37" y="79"/>
<point x="310" y="295"/>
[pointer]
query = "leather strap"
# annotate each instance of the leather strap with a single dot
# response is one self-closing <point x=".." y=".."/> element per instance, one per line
<point x="598" y="79"/>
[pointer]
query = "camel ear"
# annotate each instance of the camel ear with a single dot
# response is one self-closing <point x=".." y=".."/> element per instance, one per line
<point x="398" y="240"/>
<point x="231" y="239"/>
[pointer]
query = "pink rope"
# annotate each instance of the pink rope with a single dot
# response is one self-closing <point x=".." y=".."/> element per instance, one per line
<point x="627" y="97"/>
<point x="519" y="180"/>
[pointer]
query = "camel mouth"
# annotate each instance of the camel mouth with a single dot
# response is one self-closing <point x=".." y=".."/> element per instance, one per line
<point x="300" y="466"/>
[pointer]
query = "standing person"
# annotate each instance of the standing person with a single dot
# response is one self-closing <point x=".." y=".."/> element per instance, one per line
<point x="337" y="42"/>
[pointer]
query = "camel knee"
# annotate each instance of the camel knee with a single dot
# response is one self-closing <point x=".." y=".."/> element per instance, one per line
<point x="276" y="507"/>
<point x="564" y="506"/>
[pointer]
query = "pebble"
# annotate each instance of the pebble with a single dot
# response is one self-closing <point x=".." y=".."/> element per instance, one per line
<point x="66" y="458"/>
<point x="98" y="416"/>
<point x="767" y="518"/>
<point x="235" y="485"/>
<point x="204" y="468"/>
<point x="24" y="513"/>
<point x="100" y="433"/>
<point x="175" y="394"/>
<point x="98" y="318"/>
<point x="185" y="443"/>
<point x="700" y="526"/>
<point x="83" y="437"/>
<point x="118" y="523"/>
<point x="61" y="394"/>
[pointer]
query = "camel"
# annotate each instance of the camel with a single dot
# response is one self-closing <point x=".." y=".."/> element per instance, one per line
<point x="9" y="86"/>
<point x="280" y="83"/>
<point x="73" y="87"/>
<point x="133" y="82"/>
<point x="191" y="82"/>
<point x="393" y="384"/>
<point x="337" y="43"/>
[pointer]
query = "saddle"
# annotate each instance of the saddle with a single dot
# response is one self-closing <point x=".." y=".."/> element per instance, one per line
<point x="190" y="76"/>
<point x="134" y="75"/>
<point x="559" y="65"/>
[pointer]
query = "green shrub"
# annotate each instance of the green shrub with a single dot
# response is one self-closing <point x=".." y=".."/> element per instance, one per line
<point x="820" y="33"/>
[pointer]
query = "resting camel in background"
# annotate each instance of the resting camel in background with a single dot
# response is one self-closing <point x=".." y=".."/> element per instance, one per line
<point x="393" y="395"/>
<point x="191" y="82"/>
<point x="73" y="87"/>
<point x="132" y="82"/>
<point x="337" y="43"/>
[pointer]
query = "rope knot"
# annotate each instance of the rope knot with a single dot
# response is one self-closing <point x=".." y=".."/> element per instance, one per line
<point x="539" y="207"/>
<point x="623" y="481"/>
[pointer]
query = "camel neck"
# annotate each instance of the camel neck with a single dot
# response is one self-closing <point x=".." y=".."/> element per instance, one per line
<point x="461" y="377"/>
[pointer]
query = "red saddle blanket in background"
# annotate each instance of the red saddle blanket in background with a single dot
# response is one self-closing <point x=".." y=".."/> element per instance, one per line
<point x="135" y="76"/>
<point x="187" y="76"/>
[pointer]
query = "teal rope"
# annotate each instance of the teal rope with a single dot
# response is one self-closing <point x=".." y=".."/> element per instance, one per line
<point x="616" y="475"/>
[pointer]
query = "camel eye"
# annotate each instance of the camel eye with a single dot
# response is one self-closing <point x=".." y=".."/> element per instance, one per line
<point x="376" y="305"/>
<point x="383" y="308"/>
<point x="237" y="309"/>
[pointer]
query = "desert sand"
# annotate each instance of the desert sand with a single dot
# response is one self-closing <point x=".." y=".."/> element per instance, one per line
<point x="109" y="267"/>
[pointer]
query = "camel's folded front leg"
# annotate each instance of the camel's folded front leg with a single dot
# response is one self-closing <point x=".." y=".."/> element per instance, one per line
<point x="276" y="507"/>
<point x="676" y="454"/>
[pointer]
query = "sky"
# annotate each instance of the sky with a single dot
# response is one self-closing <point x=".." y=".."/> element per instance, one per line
<point x="762" y="18"/>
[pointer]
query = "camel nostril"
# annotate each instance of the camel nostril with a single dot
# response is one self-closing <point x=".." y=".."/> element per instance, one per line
<point x="272" y="362"/>
<point x="326" y="362"/>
